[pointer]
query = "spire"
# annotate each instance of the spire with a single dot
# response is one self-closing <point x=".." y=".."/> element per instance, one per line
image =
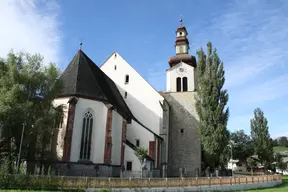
<point x="182" y="47"/>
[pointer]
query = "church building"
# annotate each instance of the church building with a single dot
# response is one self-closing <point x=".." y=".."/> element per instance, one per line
<point x="111" y="110"/>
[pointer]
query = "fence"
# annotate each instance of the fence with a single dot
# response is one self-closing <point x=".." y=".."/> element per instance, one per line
<point x="143" y="174"/>
<point x="44" y="182"/>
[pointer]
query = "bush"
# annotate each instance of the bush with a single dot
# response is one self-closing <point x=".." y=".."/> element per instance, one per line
<point x="4" y="173"/>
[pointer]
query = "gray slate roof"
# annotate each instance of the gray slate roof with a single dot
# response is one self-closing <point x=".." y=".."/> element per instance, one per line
<point x="83" y="78"/>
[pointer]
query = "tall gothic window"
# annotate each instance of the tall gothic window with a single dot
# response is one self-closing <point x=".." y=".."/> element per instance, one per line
<point x="185" y="85"/>
<point x="85" y="150"/>
<point x="178" y="84"/>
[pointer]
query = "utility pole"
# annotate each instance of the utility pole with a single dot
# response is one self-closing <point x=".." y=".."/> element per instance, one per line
<point x="20" y="147"/>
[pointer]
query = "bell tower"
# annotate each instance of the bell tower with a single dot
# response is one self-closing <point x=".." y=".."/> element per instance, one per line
<point x="181" y="43"/>
<point x="181" y="76"/>
<point x="184" y="149"/>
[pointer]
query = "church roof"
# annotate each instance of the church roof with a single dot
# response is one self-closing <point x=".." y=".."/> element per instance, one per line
<point x="82" y="77"/>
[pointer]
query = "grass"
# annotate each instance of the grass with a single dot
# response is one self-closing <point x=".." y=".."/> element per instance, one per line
<point x="6" y="190"/>
<point x="280" y="149"/>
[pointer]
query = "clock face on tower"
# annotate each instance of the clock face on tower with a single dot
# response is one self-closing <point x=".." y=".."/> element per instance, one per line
<point x="181" y="70"/>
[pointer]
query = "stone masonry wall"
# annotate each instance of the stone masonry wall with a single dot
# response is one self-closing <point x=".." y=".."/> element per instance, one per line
<point x="184" y="149"/>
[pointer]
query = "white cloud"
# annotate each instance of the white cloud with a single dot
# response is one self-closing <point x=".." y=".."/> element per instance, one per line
<point x="250" y="36"/>
<point x="32" y="26"/>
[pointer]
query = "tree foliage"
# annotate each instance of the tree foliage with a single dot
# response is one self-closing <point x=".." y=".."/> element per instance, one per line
<point x="27" y="90"/>
<point x="280" y="164"/>
<point x="261" y="137"/>
<point x="242" y="145"/>
<point x="283" y="141"/>
<point x="211" y="101"/>
<point x="141" y="154"/>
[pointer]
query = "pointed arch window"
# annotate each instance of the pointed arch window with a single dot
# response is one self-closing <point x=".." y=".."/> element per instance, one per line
<point x="85" y="150"/>
<point x="185" y="84"/>
<point x="178" y="84"/>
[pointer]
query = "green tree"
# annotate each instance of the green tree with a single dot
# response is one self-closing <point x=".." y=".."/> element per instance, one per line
<point x="211" y="101"/>
<point x="251" y="163"/>
<point x="274" y="142"/>
<point x="280" y="164"/>
<point x="283" y="141"/>
<point x="242" y="145"/>
<point x="27" y="90"/>
<point x="141" y="154"/>
<point x="261" y="137"/>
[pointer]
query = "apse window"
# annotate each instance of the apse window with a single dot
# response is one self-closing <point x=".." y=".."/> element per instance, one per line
<point x="115" y="67"/>
<point x="129" y="165"/>
<point x="126" y="79"/>
<point x="137" y="142"/>
<point x="182" y="130"/>
<point x="125" y="95"/>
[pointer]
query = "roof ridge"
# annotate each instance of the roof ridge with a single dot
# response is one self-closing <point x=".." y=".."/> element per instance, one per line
<point x="94" y="77"/>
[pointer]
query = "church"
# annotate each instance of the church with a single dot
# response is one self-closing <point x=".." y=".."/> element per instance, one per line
<point x="111" y="110"/>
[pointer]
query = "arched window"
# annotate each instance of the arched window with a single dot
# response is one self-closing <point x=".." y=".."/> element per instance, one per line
<point x="178" y="84"/>
<point x="87" y="125"/>
<point x="185" y="84"/>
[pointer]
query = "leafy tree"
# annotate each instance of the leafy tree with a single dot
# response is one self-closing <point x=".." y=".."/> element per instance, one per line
<point x="141" y="154"/>
<point x="261" y="137"/>
<point x="242" y="145"/>
<point x="27" y="90"/>
<point x="283" y="141"/>
<point x="211" y="101"/>
<point x="4" y="172"/>
<point x="251" y="163"/>
<point x="274" y="142"/>
<point x="280" y="164"/>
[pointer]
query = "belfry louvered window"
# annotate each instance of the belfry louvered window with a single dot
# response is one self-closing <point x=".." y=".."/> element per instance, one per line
<point x="85" y="150"/>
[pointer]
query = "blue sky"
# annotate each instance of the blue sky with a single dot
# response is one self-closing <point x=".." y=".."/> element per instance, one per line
<point x="250" y="35"/>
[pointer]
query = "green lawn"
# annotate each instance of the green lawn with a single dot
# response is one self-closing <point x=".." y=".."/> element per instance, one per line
<point x="37" y="191"/>
<point x="280" y="149"/>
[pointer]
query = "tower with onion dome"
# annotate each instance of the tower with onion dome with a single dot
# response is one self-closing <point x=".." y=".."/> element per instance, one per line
<point x="184" y="149"/>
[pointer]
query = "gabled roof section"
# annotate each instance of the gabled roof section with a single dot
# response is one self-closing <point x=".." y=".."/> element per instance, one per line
<point x="181" y="63"/>
<point x="82" y="77"/>
<point x="116" y="54"/>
